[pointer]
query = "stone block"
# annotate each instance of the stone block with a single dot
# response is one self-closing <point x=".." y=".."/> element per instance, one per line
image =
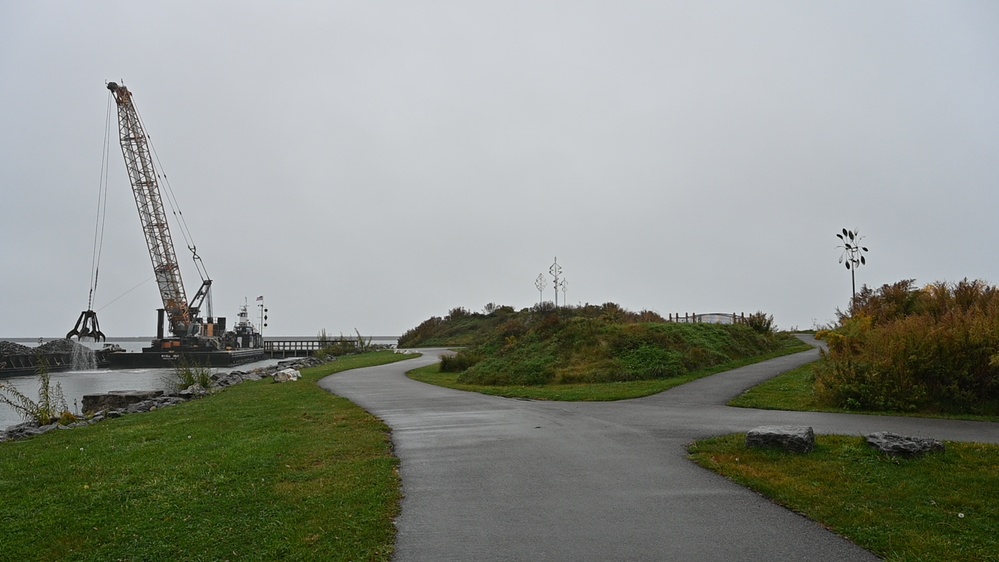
<point x="901" y="446"/>
<point x="116" y="399"/>
<point x="797" y="439"/>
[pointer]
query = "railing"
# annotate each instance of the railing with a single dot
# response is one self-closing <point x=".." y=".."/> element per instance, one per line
<point x="302" y="347"/>
<point x="295" y="348"/>
<point x="709" y="318"/>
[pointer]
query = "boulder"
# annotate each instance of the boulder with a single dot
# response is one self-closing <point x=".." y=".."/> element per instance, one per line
<point x="797" y="439"/>
<point x="116" y="399"/>
<point x="896" y="445"/>
<point x="193" y="391"/>
<point x="227" y="379"/>
<point x="21" y="431"/>
<point x="286" y="375"/>
<point x="137" y="407"/>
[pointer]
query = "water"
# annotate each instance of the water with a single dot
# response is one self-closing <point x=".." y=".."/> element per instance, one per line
<point x="85" y="378"/>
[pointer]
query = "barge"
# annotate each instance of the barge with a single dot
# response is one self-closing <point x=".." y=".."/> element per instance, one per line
<point x="241" y="345"/>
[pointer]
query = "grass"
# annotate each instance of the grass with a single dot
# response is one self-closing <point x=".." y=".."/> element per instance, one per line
<point x="262" y="471"/>
<point x="795" y="390"/>
<point x="588" y="391"/>
<point x="940" y="507"/>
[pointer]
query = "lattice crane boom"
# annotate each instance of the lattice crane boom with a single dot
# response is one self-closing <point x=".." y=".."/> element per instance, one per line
<point x="142" y="175"/>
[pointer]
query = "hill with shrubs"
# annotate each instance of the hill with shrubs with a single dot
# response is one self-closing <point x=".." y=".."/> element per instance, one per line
<point x="906" y="349"/>
<point x="586" y="344"/>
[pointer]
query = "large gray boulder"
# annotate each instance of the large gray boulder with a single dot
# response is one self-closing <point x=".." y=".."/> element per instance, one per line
<point x="116" y="399"/>
<point x="287" y="375"/>
<point x="901" y="446"/>
<point x="797" y="439"/>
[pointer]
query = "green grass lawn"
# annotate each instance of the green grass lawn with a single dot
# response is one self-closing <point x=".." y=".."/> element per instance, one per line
<point x="943" y="506"/>
<point x="940" y="507"/>
<point x="262" y="471"/>
<point x="589" y="391"/>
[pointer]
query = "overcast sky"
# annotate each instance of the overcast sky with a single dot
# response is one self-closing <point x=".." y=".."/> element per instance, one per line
<point x="370" y="164"/>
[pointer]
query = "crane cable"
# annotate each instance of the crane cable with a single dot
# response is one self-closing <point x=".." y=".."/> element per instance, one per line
<point x="178" y="214"/>
<point x="102" y="202"/>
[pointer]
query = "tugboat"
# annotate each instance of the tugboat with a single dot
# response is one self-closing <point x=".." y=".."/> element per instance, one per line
<point x="244" y="334"/>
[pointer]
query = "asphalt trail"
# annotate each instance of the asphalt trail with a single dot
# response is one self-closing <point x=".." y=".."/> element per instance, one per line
<point x="487" y="478"/>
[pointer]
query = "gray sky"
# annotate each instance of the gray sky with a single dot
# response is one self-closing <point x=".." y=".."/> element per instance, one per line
<point x="370" y="164"/>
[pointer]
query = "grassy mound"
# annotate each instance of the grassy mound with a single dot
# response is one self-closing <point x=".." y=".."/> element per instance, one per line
<point x="586" y="344"/>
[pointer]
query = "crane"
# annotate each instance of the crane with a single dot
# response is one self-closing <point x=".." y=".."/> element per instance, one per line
<point x="181" y="314"/>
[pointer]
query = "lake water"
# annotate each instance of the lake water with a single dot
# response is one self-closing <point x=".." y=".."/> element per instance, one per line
<point x="75" y="384"/>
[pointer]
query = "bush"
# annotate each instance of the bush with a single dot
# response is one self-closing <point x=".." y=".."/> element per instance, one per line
<point x="934" y="349"/>
<point x="761" y="322"/>
<point x="460" y="361"/>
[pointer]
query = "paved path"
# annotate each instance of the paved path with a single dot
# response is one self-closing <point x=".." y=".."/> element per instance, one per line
<point x="489" y="478"/>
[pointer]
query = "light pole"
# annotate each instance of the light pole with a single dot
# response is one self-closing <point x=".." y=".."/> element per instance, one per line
<point x="853" y="256"/>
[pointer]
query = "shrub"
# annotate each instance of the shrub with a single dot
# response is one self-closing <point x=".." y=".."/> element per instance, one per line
<point x="457" y="314"/>
<point x="460" y="361"/>
<point x="761" y="322"/>
<point x="906" y="349"/>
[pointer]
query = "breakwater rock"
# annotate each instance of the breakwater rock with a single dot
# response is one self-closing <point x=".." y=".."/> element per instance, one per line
<point x="114" y="404"/>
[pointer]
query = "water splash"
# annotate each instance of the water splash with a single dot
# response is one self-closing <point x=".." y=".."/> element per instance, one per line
<point x="84" y="358"/>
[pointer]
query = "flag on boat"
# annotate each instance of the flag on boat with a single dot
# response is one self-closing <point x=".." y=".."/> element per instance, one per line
<point x="260" y="298"/>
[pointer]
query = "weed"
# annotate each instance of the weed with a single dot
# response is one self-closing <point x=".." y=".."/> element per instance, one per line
<point x="187" y="374"/>
<point x="51" y="403"/>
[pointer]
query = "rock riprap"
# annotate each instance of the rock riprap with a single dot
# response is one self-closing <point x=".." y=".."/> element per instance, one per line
<point x="114" y="404"/>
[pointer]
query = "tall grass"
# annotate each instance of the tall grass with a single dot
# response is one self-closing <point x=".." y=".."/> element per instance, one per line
<point x="188" y="373"/>
<point x="51" y="404"/>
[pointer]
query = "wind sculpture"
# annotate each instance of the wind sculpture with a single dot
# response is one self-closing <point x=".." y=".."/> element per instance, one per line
<point x="852" y="256"/>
